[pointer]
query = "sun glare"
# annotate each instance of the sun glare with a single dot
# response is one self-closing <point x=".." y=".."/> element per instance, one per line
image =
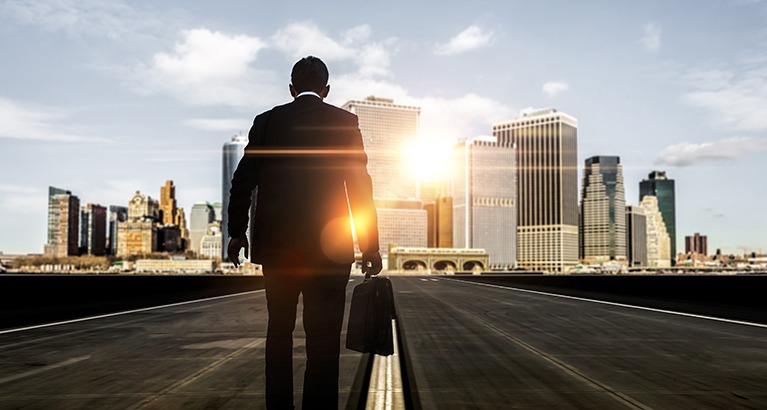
<point x="427" y="159"/>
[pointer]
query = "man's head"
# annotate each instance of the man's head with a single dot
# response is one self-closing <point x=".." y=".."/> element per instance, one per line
<point x="309" y="74"/>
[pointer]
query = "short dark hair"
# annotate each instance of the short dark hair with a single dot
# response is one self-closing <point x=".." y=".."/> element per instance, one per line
<point x="309" y="74"/>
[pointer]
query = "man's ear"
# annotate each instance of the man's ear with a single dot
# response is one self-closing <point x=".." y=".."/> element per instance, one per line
<point x="325" y="91"/>
<point x="293" y="92"/>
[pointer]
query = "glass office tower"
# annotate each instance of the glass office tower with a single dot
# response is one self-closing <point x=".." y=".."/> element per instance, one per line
<point x="659" y="186"/>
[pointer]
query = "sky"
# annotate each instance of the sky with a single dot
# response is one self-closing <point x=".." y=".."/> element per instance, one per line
<point x="104" y="98"/>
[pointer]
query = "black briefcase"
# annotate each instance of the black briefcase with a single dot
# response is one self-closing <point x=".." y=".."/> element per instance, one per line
<point x="370" y="316"/>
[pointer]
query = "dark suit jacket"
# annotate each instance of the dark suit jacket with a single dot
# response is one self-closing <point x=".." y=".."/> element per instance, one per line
<point x="306" y="158"/>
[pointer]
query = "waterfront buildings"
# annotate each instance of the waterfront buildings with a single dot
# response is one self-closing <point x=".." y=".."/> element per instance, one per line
<point x="545" y="143"/>
<point x="233" y="151"/>
<point x="401" y="222"/>
<point x="116" y="214"/>
<point x="138" y="234"/>
<point x="603" y="211"/>
<point x="203" y="214"/>
<point x="661" y="187"/>
<point x="636" y="236"/>
<point x="93" y="230"/>
<point x="484" y="198"/>
<point x="175" y="235"/>
<point x="439" y="222"/>
<point x="696" y="244"/>
<point x="389" y="130"/>
<point x="210" y="243"/>
<point x="658" y="240"/>
<point x="63" y="223"/>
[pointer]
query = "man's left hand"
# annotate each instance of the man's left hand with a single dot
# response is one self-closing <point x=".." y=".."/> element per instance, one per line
<point x="233" y="251"/>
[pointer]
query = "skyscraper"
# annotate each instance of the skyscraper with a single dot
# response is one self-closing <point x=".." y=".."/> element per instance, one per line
<point x="202" y="216"/>
<point x="232" y="153"/>
<point x="546" y="145"/>
<point x="93" y="230"/>
<point x="168" y="203"/>
<point x="658" y="240"/>
<point x="636" y="236"/>
<point x="484" y="198"/>
<point x="603" y="211"/>
<point x="63" y="223"/>
<point x="116" y="214"/>
<point x="388" y="131"/>
<point x="659" y="186"/>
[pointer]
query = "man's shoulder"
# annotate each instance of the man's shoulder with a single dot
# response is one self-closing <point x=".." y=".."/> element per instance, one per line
<point x="340" y="112"/>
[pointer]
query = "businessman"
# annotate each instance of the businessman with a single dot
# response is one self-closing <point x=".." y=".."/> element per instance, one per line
<point x="307" y="162"/>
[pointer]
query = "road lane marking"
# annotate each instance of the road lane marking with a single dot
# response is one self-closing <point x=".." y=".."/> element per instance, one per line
<point x="43" y="369"/>
<point x="604" y="302"/>
<point x="385" y="390"/>
<point x="126" y="312"/>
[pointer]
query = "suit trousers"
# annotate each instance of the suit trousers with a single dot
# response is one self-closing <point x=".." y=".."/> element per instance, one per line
<point x="323" y="288"/>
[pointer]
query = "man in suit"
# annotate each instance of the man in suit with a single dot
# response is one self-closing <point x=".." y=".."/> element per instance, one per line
<point x="308" y="164"/>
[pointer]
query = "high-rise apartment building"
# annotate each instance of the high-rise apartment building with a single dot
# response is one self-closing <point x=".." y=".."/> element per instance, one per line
<point x="636" y="236"/>
<point x="546" y="146"/>
<point x="658" y="240"/>
<point x="696" y="244"/>
<point x="116" y="214"/>
<point x="388" y="131"/>
<point x="63" y="223"/>
<point x="484" y="198"/>
<point x="659" y="186"/>
<point x="232" y="153"/>
<point x="93" y="230"/>
<point x="603" y="211"/>
<point x="203" y="214"/>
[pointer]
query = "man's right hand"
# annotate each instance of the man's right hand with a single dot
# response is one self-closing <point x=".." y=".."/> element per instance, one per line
<point x="233" y="251"/>
<point x="371" y="263"/>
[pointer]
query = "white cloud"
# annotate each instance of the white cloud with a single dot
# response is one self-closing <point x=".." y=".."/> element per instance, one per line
<point x="651" y="39"/>
<point x="113" y="19"/>
<point x="302" y="39"/>
<point x="211" y="68"/>
<point x="208" y="56"/>
<point x="356" y="34"/>
<point x="219" y="124"/>
<point x="471" y="38"/>
<point x="456" y="118"/>
<point x="737" y="97"/>
<point x="689" y="154"/>
<point x="553" y="88"/>
<point x="20" y="121"/>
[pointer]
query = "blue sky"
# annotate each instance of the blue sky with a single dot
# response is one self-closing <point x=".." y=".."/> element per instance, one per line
<point x="106" y="98"/>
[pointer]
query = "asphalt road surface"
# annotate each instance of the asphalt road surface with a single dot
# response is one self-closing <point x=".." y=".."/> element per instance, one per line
<point x="466" y="346"/>
<point x="473" y="346"/>
<point x="207" y="354"/>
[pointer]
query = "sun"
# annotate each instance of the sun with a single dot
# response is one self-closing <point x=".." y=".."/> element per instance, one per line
<point x="428" y="159"/>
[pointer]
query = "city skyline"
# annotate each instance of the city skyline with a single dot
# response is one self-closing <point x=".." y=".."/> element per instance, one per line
<point x="137" y="99"/>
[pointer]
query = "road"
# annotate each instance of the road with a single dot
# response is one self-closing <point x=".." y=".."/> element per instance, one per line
<point x="465" y="346"/>
<point x="472" y="346"/>
<point x="207" y="354"/>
